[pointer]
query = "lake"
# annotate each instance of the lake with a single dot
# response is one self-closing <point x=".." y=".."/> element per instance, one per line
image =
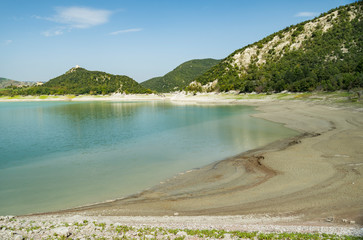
<point x="57" y="155"/>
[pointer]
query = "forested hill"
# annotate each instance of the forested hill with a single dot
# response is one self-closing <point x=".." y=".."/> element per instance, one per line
<point x="321" y="54"/>
<point x="181" y="76"/>
<point x="81" y="81"/>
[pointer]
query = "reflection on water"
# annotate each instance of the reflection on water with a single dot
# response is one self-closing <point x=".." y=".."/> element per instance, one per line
<point x="64" y="154"/>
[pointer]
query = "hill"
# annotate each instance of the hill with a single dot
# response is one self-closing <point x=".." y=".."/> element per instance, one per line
<point x="81" y="81"/>
<point x="321" y="54"/>
<point x="5" y="82"/>
<point x="181" y="76"/>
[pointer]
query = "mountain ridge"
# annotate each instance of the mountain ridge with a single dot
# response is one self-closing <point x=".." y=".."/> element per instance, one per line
<point x="319" y="47"/>
<point x="181" y="76"/>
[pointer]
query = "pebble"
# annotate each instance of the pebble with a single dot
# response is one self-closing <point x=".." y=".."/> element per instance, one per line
<point x="62" y="231"/>
<point x="227" y="236"/>
<point x="182" y="233"/>
<point x="18" y="237"/>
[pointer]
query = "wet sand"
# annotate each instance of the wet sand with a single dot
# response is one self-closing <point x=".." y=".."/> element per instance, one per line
<point x="315" y="178"/>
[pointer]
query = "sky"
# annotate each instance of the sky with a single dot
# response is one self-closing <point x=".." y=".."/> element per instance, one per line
<point x="42" y="39"/>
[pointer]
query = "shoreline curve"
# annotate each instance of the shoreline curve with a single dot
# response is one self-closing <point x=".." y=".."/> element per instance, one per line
<point x="314" y="177"/>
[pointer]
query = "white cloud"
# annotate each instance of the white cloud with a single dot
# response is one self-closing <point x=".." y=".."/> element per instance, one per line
<point x="76" y="17"/>
<point x="126" y="31"/>
<point x="306" y="14"/>
<point x="53" y="32"/>
<point x="81" y="17"/>
<point x="7" y="42"/>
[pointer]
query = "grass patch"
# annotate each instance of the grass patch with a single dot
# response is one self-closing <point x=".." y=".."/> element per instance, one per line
<point x="15" y="97"/>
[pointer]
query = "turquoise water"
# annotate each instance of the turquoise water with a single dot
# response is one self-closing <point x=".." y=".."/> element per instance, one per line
<point x="56" y="155"/>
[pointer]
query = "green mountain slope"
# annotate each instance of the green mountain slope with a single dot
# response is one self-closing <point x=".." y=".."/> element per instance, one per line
<point x="325" y="53"/>
<point x="181" y="76"/>
<point x="81" y="81"/>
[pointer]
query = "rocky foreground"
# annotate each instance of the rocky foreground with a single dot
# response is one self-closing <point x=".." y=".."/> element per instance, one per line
<point x="167" y="227"/>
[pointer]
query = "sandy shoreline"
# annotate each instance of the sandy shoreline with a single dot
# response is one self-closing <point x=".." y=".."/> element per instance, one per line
<point x="313" y="179"/>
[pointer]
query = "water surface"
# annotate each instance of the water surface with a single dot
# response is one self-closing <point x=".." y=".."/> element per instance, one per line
<point x="56" y="155"/>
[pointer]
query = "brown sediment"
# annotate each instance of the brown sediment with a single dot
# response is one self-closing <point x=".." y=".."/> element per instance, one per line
<point x="316" y="175"/>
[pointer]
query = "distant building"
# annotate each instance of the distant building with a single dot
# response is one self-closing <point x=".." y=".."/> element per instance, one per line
<point x="39" y="83"/>
<point x="77" y="66"/>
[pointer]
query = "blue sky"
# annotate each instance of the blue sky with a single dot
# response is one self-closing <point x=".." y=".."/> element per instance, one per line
<point x="41" y="39"/>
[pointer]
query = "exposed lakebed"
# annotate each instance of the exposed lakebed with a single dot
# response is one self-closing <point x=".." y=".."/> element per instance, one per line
<point x="56" y="155"/>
